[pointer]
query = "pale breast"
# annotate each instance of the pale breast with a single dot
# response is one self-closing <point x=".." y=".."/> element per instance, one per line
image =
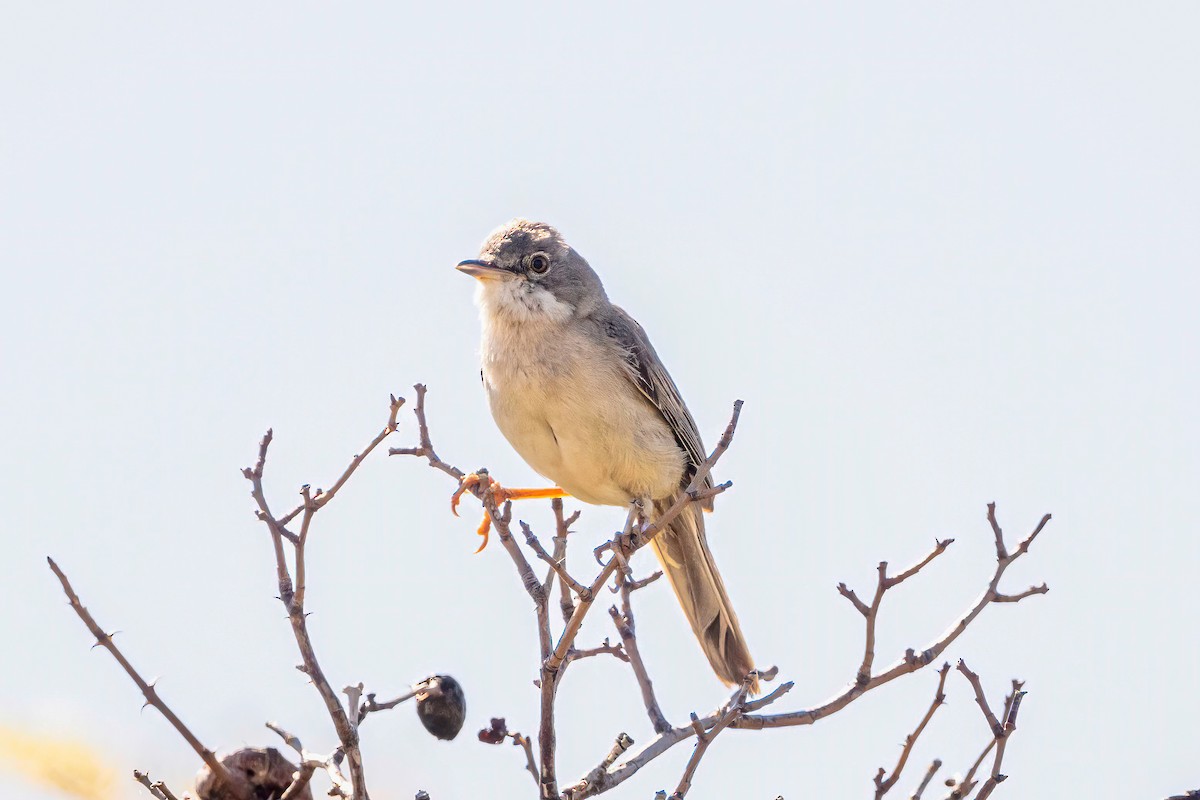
<point x="568" y="408"/>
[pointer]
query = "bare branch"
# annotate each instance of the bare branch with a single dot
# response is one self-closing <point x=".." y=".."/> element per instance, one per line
<point x="293" y="598"/>
<point x="871" y="612"/>
<point x="105" y="640"/>
<point x="425" y="449"/>
<point x="371" y="706"/>
<point x="599" y="782"/>
<point x="556" y="565"/>
<point x="310" y="763"/>
<point x="1015" y="598"/>
<point x="623" y="743"/>
<point x="939" y="547"/>
<point x="1010" y="724"/>
<point x="711" y="491"/>
<point x="562" y="527"/>
<point x="704" y="738"/>
<point x="882" y="785"/>
<point x="934" y="766"/>
<point x="1024" y="546"/>
<point x="626" y="628"/>
<point x="157" y="788"/>
<point x="993" y="724"/>
<point x="615" y="650"/>
<point x="910" y="662"/>
<point x="530" y="764"/>
<point x="1000" y="733"/>
<point x="1001" y="552"/>
<point x="300" y="782"/>
<point x="850" y="595"/>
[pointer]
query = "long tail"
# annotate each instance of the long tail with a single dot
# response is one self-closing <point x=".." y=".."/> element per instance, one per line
<point x="682" y="549"/>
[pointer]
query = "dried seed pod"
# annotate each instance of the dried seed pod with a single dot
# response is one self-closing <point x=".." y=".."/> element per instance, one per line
<point x="442" y="706"/>
<point x="261" y="773"/>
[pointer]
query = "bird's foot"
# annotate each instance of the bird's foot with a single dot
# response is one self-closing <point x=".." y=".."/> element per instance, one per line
<point x="500" y="495"/>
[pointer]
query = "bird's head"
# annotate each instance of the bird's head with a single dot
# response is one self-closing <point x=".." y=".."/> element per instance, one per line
<point x="528" y="274"/>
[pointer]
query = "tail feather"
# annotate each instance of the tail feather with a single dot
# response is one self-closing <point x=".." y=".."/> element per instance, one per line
<point x="682" y="549"/>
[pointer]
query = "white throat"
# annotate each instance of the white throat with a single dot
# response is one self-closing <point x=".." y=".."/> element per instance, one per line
<point x="519" y="302"/>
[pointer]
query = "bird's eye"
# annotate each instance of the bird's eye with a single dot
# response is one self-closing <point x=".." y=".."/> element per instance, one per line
<point x="539" y="263"/>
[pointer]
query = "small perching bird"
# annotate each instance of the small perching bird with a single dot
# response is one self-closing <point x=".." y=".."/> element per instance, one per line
<point x="577" y="389"/>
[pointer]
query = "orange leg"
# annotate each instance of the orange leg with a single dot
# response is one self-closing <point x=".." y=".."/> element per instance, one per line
<point x="501" y="495"/>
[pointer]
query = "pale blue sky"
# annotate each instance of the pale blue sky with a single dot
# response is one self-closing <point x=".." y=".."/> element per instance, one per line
<point x="946" y="254"/>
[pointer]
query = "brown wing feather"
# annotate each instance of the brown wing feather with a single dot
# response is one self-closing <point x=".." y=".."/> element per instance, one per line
<point x="648" y="374"/>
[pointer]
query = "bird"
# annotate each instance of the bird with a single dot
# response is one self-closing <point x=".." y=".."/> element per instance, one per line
<point x="577" y="389"/>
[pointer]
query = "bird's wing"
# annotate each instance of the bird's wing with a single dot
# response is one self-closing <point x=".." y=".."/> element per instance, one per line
<point x="648" y="374"/>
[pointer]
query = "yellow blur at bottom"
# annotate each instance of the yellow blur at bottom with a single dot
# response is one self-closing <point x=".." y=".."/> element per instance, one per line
<point x="63" y="764"/>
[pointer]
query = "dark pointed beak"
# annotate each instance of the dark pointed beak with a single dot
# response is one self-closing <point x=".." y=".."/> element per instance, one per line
<point x="483" y="271"/>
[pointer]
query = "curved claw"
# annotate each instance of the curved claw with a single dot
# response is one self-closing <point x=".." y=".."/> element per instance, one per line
<point x="485" y="528"/>
<point x="468" y="481"/>
<point x="500" y="496"/>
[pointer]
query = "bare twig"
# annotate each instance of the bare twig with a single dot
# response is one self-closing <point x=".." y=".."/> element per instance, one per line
<point x="562" y="526"/>
<point x="293" y="598"/>
<point x="1010" y="724"/>
<point x="523" y="741"/>
<point x="705" y="736"/>
<point x="626" y="628"/>
<point x="1000" y="733"/>
<point x="606" y="648"/>
<point x="623" y="743"/>
<point x="884" y="785"/>
<point x="310" y="763"/>
<point x="425" y="449"/>
<point x="371" y="705"/>
<point x="934" y="766"/>
<point x="600" y="781"/>
<point x="105" y="640"/>
<point x="300" y="782"/>
<point x="871" y="612"/>
<point x="993" y="724"/>
<point x="1014" y="598"/>
<point x="910" y="662"/>
<point x="157" y="788"/>
<point x="556" y="565"/>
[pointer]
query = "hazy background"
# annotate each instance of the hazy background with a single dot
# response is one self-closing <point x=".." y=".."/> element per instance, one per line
<point x="946" y="255"/>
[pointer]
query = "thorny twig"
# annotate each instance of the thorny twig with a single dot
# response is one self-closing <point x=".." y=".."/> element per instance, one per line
<point x="105" y="640"/>
<point x="292" y="595"/>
